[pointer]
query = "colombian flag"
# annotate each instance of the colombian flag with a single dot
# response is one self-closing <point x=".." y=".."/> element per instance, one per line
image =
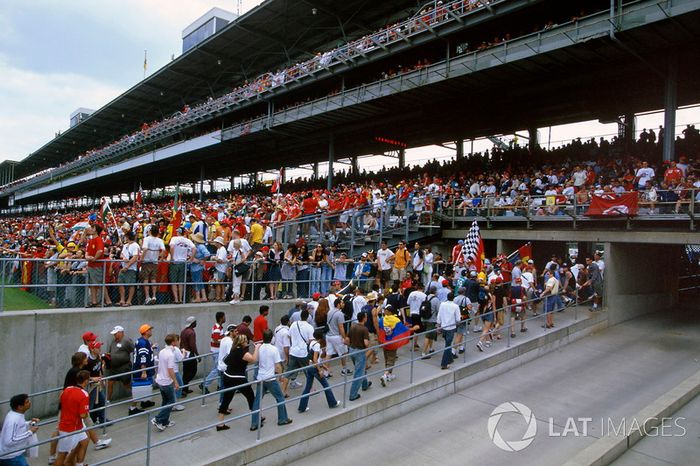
<point x="392" y="329"/>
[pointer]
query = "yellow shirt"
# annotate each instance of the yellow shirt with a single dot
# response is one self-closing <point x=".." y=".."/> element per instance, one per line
<point x="256" y="233"/>
<point x="401" y="258"/>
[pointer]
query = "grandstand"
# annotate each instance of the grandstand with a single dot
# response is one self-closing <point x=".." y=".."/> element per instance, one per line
<point x="295" y="83"/>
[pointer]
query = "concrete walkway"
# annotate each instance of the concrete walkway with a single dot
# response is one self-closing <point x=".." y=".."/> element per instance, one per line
<point x="673" y="450"/>
<point x="612" y="374"/>
<point x="210" y="446"/>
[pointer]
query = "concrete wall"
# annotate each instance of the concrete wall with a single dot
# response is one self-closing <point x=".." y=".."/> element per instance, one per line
<point x="36" y="346"/>
<point x="640" y="279"/>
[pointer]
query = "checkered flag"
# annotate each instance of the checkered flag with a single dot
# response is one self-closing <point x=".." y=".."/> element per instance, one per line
<point x="473" y="248"/>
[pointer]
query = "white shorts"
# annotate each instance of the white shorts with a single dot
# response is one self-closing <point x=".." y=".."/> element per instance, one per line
<point x="67" y="444"/>
<point x="335" y="345"/>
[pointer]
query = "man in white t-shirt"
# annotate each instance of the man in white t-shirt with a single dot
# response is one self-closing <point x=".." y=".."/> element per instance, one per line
<point x="166" y="381"/>
<point x="237" y="256"/>
<point x="153" y="250"/>
<point x="551" y="295"/>
<point x="282" y="342"/>
<point x="300" y="334"/>
<point x="643" y="175"/>
<point x="181" y="251"/>
<point x="385" y="259"/>
<point x="269" y="364"/>
<point x="129" y="272"/>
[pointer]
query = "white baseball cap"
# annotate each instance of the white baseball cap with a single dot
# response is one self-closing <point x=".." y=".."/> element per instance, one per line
<point x="117" y="329"/>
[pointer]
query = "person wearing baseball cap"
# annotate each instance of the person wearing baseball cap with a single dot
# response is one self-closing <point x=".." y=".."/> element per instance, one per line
<point x="118" y="361"/>
<point x="188" y="342"/>
<point x="96" y="368"/>
<point x="144" y="360"/>
<point x="88" y="337"/>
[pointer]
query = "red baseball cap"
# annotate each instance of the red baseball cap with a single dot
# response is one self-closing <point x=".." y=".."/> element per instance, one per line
<point x="89" y="336"/>
<point x="316" y="295"/>
<point x="95" y="344"/>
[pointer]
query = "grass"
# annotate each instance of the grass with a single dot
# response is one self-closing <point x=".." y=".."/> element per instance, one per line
<point x="16" y="299"/>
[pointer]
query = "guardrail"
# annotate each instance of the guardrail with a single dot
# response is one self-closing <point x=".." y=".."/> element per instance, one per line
<point x="506" y="316"/>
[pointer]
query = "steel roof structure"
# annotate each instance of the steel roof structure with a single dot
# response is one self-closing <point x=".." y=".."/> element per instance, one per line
<point x="274" y="34"/>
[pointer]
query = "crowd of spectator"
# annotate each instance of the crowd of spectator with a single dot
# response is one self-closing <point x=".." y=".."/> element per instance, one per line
<point x="257" y="245"/>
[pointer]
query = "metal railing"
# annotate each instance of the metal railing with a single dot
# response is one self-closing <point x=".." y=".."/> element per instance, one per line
<point x="463" y="325"/>
<point x="662" y="204"/>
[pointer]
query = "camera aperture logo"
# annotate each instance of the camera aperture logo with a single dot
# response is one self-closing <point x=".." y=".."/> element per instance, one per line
<point x="515" y="408"/>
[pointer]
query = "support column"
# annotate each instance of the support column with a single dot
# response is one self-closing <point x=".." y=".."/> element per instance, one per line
<point x="201" y="183"/>
<point x="402" y="158"/>
<point x="534" y="139"/>
<point x="355" y="166"/>
<point x="460" y="148"/>
<point x="670" y="106"/>
<point x="331" y="159"/>
<point x="233" y="180"/>
<point x="315" y="172"/>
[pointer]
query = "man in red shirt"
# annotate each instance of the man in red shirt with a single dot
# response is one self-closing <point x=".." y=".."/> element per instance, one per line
<point x="673" y="175"/>
<point x="93" y="253"/>
<point x="260" y="323"/>
<point x="75" y="405"/>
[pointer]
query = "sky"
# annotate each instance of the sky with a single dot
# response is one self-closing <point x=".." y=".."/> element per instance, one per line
<point x="56" y="56"/>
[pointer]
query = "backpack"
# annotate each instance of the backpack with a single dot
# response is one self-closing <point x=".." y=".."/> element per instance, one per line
<point x="426" y="309"/>
<point x="463" y="308"/>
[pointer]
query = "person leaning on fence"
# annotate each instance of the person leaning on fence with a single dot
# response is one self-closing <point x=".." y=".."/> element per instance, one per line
<point x="17" y="432"/>
<point x="153" y="249"/>
<point x="94" y="252"/>
<point x="181" y="251"/>
<point x="128" y="273"/>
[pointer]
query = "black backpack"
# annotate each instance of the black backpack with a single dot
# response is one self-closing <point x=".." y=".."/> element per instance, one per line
<point x="426" y="309"/>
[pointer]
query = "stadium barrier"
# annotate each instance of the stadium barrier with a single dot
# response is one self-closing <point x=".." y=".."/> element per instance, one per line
<point x="467" y="340"/>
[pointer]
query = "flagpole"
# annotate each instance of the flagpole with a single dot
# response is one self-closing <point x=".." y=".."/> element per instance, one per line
<point x="145" y="62"/>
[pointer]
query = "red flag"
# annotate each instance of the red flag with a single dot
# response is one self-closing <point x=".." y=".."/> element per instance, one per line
<point x="613" y="206"/>
<point x="138" y="199"/>
<point x="277" y="184"/>
<point x="524" y="253"/>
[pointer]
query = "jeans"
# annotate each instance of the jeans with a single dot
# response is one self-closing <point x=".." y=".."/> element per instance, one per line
<point x="275" y="390"/>
<point x="447" y="356"/>
<point x="296" y="363"/>
<point x="167" y="393"/>
<point x="20" y="460"/>
<point x="178" y="392"/>
<point x="315" y="279"/>
<point x="326" y="276"/>
<point x="214" y="374"/>
<point x="97" y="400"/>
<point x="311" y="373"/>
<point x="303" y="283"/>
<point x="359" y="358"/>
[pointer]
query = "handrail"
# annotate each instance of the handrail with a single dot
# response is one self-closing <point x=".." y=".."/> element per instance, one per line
<point x="151" y="412"/>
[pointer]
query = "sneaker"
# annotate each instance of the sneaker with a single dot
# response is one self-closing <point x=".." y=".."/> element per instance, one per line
<point x="512" y="335"/>
<point x="425" y="356"/>
<point x="383" y="380"/>
<point x="480" y="346"/>
<point x="346" y="371"/>
<point x="178" y="408"/>
<point x="523" y="330"/>
<point x="102" y="444"/>
<point x="294" y="384"/>
<point x="133" y="411"/>
<point x="52" y="459"/>
<point x="147" y="404"/>
<point x="170" y="424"/>
<point x="478" y="329"/>
<point x="391" y="377"/>
<point x="304" y="410"/>
<point x="160" y="427"/>
<point x="356" y="397"/>
<point x="338" y="403"/>
<point x="461" y="351"/>
<point x="369" y="384"/>
<point x="284" y="423"/>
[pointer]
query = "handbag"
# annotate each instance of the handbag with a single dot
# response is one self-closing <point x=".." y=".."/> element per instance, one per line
<point x="241" y="269"/>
